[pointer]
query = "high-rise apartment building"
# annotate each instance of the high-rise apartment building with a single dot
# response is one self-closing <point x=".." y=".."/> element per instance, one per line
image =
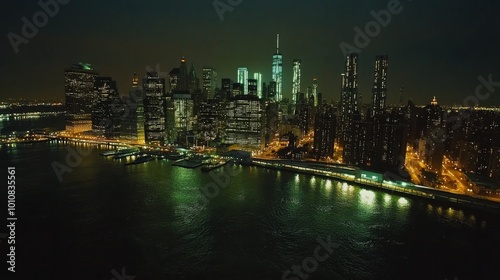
<point x="154" y="109"/>
<point x="348" y="103"/>
<point x="79" y="97"/>
<point x="379" y="91"/>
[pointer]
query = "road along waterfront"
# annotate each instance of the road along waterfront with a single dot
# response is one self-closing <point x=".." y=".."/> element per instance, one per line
<point x="367" y="178"/>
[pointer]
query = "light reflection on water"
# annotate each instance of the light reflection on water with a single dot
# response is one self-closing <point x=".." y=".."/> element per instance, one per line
<point x="262" y="217"/>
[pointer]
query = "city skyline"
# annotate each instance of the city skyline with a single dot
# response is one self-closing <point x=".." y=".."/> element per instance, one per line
<point x="236" y="139"/>
<point x="427" y="63"/>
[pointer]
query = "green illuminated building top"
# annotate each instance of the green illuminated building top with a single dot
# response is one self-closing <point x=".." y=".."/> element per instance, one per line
<point x="83" y="66"/>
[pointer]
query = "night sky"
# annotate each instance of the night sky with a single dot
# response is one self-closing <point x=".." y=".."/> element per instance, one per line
<point x="434" y="47"/>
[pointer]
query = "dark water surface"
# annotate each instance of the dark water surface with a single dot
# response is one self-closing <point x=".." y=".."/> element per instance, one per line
<point x="148" y="219"/>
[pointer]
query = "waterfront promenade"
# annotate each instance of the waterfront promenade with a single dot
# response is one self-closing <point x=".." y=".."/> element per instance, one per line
<point x="348" y="174"/>
<point x="359" y="176"/>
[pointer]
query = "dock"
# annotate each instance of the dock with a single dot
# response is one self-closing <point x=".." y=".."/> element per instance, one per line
<point x="188" y="163"/>
<point x="212" y="166"/>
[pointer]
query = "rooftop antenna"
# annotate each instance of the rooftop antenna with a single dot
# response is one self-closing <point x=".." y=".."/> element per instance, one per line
<point x="278" y="44"/>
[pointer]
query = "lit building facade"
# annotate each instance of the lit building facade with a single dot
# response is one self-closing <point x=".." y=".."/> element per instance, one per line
<point x="258" y="77"/>
<point x="379" y="91"/>
<point x="183" y="117"/>
<point x="193" y="80"/>
<point x="244" y="121"/>
<point x="348" y="103"/>
<point x="324" y="133"/>
<point x="106" y="109"/>
<point x="252" y="87"/>
<point x="226" y="88"/>
<point x="173" y="80"/>
<point x="243" y="79"/>
<point x="183" y="75"/>
<point x="389" y="149"/>
<point x="277" y="71"/>
<point x="494" y="168"/>
<point x="209" y="81"/>
<point x="79" y="97"/>
<point x="132" y="125"/>
<point x="314" y="91"/>
<point x="296" y="80"/>
<point x="210" y="120"/>
<point x="154" y="109"/>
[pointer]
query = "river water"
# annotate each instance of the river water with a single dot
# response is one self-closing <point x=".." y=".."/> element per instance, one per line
<point x="147" y="219"/>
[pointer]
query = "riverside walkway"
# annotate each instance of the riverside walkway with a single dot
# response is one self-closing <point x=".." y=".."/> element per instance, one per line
<point x="376" y="180"/>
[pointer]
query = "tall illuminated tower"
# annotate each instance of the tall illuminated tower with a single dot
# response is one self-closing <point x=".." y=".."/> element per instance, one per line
<point x="258" y="77"/>
<point x="277" y="70"/>
<point x="243" y="78"/>
<point x="315" y="91"/>
<point x="183" y="76"/>
<point x="379" y="92"/>
<point x="79" y="93"/>
<point x="296" y="80"/>
<point x="154" y="108"/>
<point x="209" y="81"/>
<point x="348" y="105"/>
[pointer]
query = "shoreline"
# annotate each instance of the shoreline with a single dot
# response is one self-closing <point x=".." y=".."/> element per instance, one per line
<point x="403" y="188"/>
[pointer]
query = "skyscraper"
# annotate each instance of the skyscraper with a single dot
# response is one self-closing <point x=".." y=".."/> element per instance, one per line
<point x="132" y="123"/>
<point x="244" y="122"/>
<point x="154" y="109"/>
<point x="315" y="91"/>
<point x="106" y="108"/>
<point x="271" y="91"/>
<point x="252" y="87"/>
<point x="173" y="80"/>
<point x="379" y="91"/>
<point x="362" y="142"/>
<point x="194" y="81"/>
<point x="79" y="95"/>
<point x="227" y="88"/>
<point x="243" y="78"/>
<point x="296" y="80"/>
<point x="277" y="71"/>
<point x="324" y="133"/>
<point x="258" y="77"/>
<point x="183" y="76"/>
<point x="389" y="144"/>
<point x="209" y="81"/>
<point x="183" y="115"/>
<point x="237" y="89"/>
<point x="211" y="120"/>
<point x="348" y="103"/>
